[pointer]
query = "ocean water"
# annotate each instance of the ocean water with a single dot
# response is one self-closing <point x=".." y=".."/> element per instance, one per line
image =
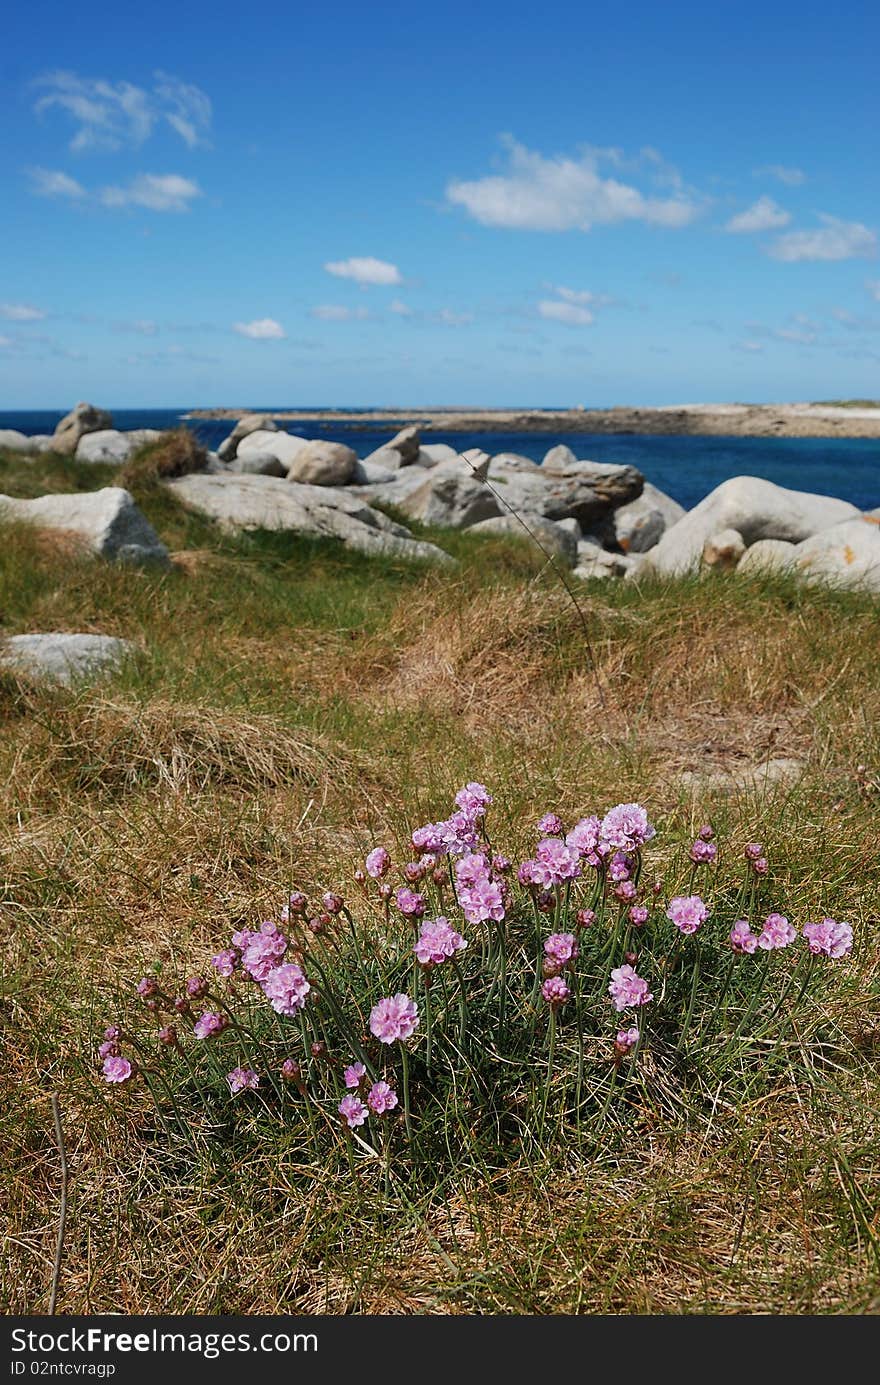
<point x="687" y="468"/>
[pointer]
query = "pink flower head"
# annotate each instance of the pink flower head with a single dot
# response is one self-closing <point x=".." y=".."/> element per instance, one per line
<point x="501" y="865"/>
<point x="550" y="825"/>
<point x="112" y="1031"/>
<point x="484" y="900"/>
<point x="286" y="989"/>
<point x="291" y="1070"/>
<point x="410" y="904"/>
<point x="638" y="915"/>
<point x="471" y="869"/>
<point x="687" y="912"/>
<point x="626" y="827"/>
<point x="437" y="941"/>
<point x="242" y="937"/>
<point x="378" y="863"/>
<point x="584" y="839"/>
<point x="561" y="948"/>
<point x="332" y="902"/>
<point x="776" y="933"/>
<point x="742" y="939"/>
<point x="225" y="962"/>
<point x="242" y="1080"/>
<point x="209" y="1024"/>
<point x="458" y="835"/>
<point x="706" y="832"/>
<point x="555" y="991"/>
<point x="353" y="1111"/>
<point x="381" y="1098"/>
<point x="263" y="952"/>
<point x="354" y="1075"/>
<point x="196" y="987"/>
<point x="584" y="917"/>
<point x="394" y="1018"/>
<point x="430" y="838"/>
<point x="108" y="1049"/>
<point x="626" y="1040"/>
<point x="116" y="1069"/>
<point x="627" y="988"/>
<point x="473" y="799"/>
<point x="168" y="1035"/>
<point x="832" y="939"/>
<point x="626" y="891"/>
<point x="413" y="872"/>
<point x="753" y="850"/>
<point x="619" y="867"/>
<point x="761" y="865"/>
<point x="147" y="986"/>
<point x="702" y="852"/>
<point x="555" y="863"/>
<point x="297" y="903"/>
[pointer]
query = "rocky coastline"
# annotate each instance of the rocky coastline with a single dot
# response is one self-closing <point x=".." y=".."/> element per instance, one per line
<point x="710" y="420"/>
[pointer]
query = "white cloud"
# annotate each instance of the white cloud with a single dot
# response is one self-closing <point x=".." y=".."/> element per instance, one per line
<point x="50" y="182"/>
<point x="791" y="177"/>
<point x="763" y="215"/>
<point x="365" y="270"/>
<point x="752" y="346"/>
<point x="562" y="194"/>
<point x="873" y="287"/>
<point x="144" y="326"/>
<point x="833" y="240"/>
<point x="335" y="312"/>
<point x="158" y="192"/>
<point x="400" y="309"/>
<point x="111" y="115"/>
<point x="21" y="312"/>
<point x="447" y="318"/>
<point x="572" y="314"/>
<point x="800" y="335"/>
<point x="261" y="329"/>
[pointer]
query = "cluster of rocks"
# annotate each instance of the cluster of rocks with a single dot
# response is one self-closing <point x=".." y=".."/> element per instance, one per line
<point x="597" y="519"/>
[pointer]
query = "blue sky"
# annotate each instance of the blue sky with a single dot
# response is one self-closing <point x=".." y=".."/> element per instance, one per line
<point x="402" y="204"/>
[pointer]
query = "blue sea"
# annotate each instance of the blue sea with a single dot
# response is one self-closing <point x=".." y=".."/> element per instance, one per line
<point x="687" y="468"/>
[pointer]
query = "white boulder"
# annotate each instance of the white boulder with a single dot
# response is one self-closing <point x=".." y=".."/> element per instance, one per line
<point x="545" y="534"/>
<point x="83" y="418"/>
<point x="323" y="464"/>
<point x="641" y="523"/>
<point x="285" y="446"/>
<point x="846" y="555"/>
<point x="723" y="550"/>
<point x="107" y="521"/>
<point x="757" y="509"/>
<point x="63" y="658"/>
<point x="768" y="555"/>
<point x="262" y="502"/>
<point x="250" y="423"/>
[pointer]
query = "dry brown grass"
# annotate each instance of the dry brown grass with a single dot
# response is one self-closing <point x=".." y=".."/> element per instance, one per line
<point x="176" y="453"/>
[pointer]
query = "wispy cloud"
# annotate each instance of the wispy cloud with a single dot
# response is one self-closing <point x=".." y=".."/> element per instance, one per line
<point x="763" y="215"/>
<point x="751" y="347"/>
<point x="110" y="115"/>
<point x="364" y="270"/>
<point x="573" y="307"/>
<point x="873" y="287"/>
<point x="400" y="309"/>
<point x="563" y="194"/>
<point x="144" y="326"/>
<point x="833" y="240"/>
<point x="49" y="182"/>
<point x="22" y="312"/>
<point x="335" y="312"/>
<point x="448" y="318"/>
<point x="783" y="173"/>
<point x="261" y="329"/>
<point x="157" y="192"/>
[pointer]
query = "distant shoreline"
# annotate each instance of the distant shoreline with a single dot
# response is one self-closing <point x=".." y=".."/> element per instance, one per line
<point x="718" y="420"/>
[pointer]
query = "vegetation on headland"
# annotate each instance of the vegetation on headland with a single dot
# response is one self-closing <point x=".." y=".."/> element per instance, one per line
<point x="296" y="703"/>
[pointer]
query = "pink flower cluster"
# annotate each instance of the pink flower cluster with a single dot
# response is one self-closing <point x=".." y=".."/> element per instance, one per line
<point x="560" y="949"/>
<point x="687" y="912"/>
<point x="776" y="933"/>
<point x="437" y="941"/>
<point x="242" y="1080"/>
<point x="828" y="937"/>
<point x="627" y="988"/>
<point x="556" y="991"/>
<point x="554" y="863"/>
<point x="260" y="952"/>
<point x="480" y="896"/>
<point x="394" y="1018"/>
<point x="286" y="989"/>
<point x="459" y="833"/>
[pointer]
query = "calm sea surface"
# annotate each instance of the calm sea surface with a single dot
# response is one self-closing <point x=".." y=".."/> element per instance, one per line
<point x="685" y="467"/>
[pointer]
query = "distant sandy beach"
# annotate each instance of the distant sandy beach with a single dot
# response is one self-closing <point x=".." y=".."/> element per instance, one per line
<point x="721" y="420"/>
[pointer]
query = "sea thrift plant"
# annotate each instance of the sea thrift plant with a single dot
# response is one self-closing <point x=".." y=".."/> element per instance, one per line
<point x="471" y="986"/>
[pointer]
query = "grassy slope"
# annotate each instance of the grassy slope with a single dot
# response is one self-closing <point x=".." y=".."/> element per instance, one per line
<point x="292" y="704"/>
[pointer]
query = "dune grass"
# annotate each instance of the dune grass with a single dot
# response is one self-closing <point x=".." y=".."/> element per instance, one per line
<point x="290" y="705"/>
